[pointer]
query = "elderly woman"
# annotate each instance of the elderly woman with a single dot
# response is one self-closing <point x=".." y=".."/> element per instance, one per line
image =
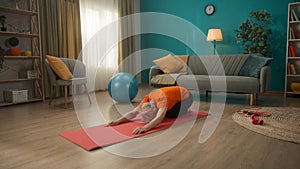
<point x="168" y="102"/>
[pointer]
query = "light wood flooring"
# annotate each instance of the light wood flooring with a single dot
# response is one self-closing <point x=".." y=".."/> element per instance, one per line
<point x="29" y="139"/>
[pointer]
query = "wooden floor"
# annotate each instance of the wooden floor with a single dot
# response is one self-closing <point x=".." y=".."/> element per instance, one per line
<point x="29" y="139"/>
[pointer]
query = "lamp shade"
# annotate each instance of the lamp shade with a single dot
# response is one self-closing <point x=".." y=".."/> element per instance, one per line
<point x="214" y="35"/>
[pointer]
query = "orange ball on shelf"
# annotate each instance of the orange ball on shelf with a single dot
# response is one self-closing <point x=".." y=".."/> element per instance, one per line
<point x="27" y="53"/>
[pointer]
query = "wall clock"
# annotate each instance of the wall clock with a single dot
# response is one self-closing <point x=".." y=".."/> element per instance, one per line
<point x="209" y="9"/>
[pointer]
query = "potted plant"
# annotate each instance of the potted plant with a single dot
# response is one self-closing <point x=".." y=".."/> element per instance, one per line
<point x="253" y="34"/>
<point x="2" y="22"/>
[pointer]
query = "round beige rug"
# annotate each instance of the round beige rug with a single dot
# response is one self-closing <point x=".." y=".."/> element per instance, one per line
<point x="284" y="123"/>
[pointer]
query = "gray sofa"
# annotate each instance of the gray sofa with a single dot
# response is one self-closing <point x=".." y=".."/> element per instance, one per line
<point x="224" y="73"/>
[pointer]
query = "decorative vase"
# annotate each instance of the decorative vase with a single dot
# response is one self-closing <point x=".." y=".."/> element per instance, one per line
<point x="295" y="87"/>
<point x="15" y="51"/>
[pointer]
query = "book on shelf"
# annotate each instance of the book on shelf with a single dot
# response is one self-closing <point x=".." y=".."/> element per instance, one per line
<point x="292" y="51"/>
<point x="292" y="33"/>
<point x="288" y="68"/>
<point x="293" y="70"/>
<point x="294" y="15"/>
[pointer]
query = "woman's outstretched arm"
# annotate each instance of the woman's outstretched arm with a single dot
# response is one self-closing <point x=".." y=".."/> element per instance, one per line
<point x="127" y="117"/>
<point x="154" y="122"/>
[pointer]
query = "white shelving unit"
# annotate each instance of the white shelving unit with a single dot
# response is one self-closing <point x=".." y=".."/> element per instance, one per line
<point x="10" y="78"/>
<point x="293" y="48"/>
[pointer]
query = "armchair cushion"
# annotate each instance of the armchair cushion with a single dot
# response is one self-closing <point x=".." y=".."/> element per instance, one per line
<point x="59" y="67"/>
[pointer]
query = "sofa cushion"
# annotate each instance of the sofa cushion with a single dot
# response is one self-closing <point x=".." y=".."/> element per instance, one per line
<point x="184" y="59"/>
<point x="169" y="64"/>
<point x="228" y="65"/>
<point x="253" y="65"/>
<point x="233" y="63"/>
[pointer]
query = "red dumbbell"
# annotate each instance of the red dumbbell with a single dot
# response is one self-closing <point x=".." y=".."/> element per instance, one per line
<point x="256" y="120"/>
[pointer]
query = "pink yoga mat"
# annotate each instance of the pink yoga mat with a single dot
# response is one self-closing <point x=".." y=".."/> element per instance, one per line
<point x="100" y="136"/>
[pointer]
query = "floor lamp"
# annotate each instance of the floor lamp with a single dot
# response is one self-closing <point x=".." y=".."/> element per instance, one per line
<point x="213" y="36"/>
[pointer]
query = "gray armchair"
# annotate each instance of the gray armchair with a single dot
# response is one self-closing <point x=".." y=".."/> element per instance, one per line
<point x="79" y="78"/>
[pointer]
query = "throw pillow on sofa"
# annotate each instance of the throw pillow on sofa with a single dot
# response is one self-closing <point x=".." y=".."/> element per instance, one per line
<point x="184" y="60"/>
<point x="169" y="64"/>
<point x="253" y="65"/>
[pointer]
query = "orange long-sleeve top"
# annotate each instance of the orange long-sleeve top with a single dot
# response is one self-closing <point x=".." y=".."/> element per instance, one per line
<point x="167" y="96"/>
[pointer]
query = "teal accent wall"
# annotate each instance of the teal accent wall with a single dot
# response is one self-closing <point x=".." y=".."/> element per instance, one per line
<point x="228" y="16"/>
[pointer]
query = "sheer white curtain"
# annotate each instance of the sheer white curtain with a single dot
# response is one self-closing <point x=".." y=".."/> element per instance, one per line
<point x="99" y="28"/>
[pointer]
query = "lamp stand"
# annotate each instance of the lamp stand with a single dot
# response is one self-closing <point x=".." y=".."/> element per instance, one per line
<point x="214" y="47"/>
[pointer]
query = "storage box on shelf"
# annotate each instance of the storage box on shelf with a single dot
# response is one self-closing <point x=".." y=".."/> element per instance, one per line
<point x="29" y="74"/>
<point x="15" y="96"/>
<point x="19" y="72"/>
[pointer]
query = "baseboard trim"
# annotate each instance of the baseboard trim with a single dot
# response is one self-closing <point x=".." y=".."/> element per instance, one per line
<point x="274" y="92"/>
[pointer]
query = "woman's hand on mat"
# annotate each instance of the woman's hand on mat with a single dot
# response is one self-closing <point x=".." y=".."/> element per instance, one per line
<point x="139" y="130"/>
